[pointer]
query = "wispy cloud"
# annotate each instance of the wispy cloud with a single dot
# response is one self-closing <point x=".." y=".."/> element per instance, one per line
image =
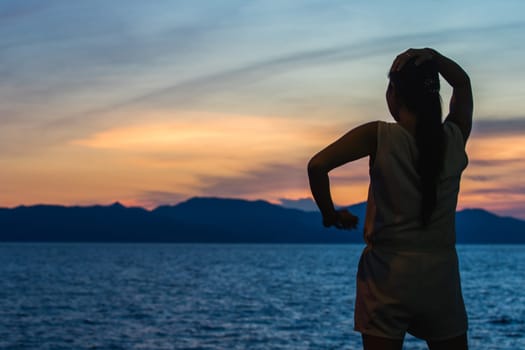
<point x="122" y="48"/>
<point x="498" y="126"/>
<point x="478" y="178"/>
<point x="272" y="178"/>
<point x="286" y="179"/>
<point x="483" y="162"/>
<point x="197" y="88"/>
<point x="518" y="190"/>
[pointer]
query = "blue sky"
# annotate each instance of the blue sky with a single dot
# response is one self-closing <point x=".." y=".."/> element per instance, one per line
<point x="77" y="75"/>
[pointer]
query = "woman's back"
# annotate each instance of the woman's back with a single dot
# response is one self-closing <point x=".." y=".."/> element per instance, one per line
<point x="393" y="218"/>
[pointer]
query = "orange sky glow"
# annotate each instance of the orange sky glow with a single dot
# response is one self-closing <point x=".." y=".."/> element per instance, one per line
<point x="183" y="154"/>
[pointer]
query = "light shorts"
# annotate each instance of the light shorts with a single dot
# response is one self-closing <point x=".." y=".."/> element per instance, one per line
<point x="414" y="292"/>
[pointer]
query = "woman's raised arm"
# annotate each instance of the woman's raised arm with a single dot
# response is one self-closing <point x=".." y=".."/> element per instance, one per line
<point x="461" y="103"/>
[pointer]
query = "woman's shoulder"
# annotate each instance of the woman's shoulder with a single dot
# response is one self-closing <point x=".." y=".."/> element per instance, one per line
<point x="383" y="126"/>
<point x="393" y="130"/>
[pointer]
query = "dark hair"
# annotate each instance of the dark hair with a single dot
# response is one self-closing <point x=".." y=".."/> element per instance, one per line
<point x="418" y="88"/>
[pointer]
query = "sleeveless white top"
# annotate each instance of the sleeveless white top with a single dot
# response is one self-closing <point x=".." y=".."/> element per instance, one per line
<point x="394" y="198"/>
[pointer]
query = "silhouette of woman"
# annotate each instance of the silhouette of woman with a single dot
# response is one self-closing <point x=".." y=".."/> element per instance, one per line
<point x="408" y="278"/>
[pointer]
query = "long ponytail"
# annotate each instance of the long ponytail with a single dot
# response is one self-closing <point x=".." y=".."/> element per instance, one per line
<point x="418" y="87"/>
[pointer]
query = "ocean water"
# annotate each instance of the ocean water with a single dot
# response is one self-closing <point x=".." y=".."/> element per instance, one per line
<point x="204" y="296"/>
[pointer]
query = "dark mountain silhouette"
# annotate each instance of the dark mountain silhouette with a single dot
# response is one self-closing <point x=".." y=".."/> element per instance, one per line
<point x="216" y="220"/>
<point x="256" y="221"/>
<point x="481" y="226"/>
<point x="112" y="223"/>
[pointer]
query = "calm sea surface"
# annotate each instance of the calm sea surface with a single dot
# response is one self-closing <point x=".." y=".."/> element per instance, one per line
<point x="192" y="296"/>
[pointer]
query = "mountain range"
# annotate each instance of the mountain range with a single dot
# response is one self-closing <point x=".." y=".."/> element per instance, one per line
<point x="220" y="220"/>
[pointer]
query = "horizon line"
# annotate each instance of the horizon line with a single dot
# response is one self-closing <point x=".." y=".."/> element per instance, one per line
<point x="119" y="203"/>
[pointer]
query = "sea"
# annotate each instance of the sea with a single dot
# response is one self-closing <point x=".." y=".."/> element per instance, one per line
<point x="224" y="296"/>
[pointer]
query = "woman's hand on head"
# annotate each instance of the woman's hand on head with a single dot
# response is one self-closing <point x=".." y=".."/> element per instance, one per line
<point x="342" y="219"/>
<point x="421" y="56"/>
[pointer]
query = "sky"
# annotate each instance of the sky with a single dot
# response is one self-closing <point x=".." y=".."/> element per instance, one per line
<point x="154" y="102"/>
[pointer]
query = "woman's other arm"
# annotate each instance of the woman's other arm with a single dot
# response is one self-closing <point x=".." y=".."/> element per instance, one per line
<point x="357" y="143"/>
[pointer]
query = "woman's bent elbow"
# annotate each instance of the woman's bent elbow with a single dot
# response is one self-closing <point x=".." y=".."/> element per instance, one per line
<point x="316" y="166"/>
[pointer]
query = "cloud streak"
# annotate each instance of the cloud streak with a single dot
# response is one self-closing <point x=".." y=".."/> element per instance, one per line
<point x="492" y="126"/>
<point x="195" y="90"/>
